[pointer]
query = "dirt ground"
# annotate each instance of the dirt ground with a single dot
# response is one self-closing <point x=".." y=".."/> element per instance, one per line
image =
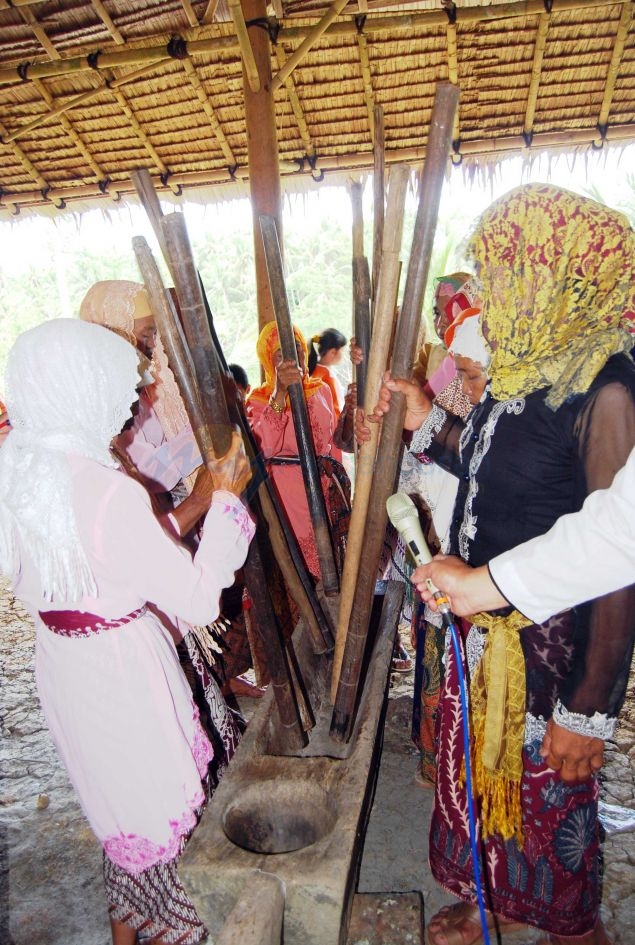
<point x="50" y="864"/>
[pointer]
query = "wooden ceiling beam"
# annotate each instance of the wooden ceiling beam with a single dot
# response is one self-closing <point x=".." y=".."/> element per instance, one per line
<point x="208" y="108"/>
<point x="621" y="39"/>
<point x="536" y="73"/>
<point x="10" y="202"/>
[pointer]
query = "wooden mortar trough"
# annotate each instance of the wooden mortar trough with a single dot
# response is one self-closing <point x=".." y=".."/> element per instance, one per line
<point x="301" y="818"/>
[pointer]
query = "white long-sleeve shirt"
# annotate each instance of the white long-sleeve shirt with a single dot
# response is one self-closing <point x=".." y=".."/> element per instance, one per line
<point x="584" y="555"/>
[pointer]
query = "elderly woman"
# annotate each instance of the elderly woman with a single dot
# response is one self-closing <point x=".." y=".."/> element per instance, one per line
<point x="86" y="554"/>
<point x="270" y="417"/>
<point x="158" y="441"/>
<point x="558" y="274"/>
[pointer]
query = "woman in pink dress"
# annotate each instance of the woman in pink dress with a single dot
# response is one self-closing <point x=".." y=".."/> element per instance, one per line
<point x="269" y="414"/>
<point x="86" y="555"/>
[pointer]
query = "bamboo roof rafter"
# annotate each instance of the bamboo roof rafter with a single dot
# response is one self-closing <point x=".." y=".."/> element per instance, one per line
<point x="208" y="108"/>
<point x="536" y="73"/>
<point x="106" y="19"/>
<point x="369" y="96"/>
<point x="626" y="20"/>
<point x="533" y="75"/>
<point x="296" y="107"/>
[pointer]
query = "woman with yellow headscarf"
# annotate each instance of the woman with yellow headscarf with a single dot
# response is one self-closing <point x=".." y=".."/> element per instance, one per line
<point x="270" y="417"/>
<point x="556" y="422"/>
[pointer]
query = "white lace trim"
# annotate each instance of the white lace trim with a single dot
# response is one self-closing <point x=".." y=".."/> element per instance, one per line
<point x="474" y="646"/>
<point x="467" y="531"/>
<point x="535" y="728"/>
<point x="423" y="437"/>
<point x="598" y="725"/>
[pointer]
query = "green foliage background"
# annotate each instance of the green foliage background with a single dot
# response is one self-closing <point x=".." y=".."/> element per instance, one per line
<point x="47" y="265"/>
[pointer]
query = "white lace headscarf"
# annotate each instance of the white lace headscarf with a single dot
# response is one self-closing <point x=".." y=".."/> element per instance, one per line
<point x="69" y="389"/>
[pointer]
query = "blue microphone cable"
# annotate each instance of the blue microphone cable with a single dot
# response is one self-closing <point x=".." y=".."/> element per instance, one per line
<point x="448" y="622"/>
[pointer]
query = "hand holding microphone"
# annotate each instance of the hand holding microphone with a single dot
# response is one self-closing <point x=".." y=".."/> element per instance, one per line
<point x="403" y="514"/>
<point x="470" y="589"/>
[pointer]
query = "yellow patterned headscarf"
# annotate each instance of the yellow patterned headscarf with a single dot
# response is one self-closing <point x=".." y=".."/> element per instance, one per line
<point x="558" y="278"/>
<point x="266" y="346"/>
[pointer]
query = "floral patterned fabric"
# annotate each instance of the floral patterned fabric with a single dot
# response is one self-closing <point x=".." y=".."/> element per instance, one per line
<point x="558" y="273"/>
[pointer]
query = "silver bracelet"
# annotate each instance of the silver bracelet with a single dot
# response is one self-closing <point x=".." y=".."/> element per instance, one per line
<point x="597" y="725"/>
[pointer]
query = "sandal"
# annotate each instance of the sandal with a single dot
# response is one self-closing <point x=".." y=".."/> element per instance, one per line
<point x="460" y="924"/>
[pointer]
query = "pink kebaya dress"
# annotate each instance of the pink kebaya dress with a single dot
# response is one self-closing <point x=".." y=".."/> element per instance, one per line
<point x="116" y="701"/>
<point x="276" y="437"/>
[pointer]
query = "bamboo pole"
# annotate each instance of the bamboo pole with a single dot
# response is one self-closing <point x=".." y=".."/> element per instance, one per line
<point x="406" y="22"/>
<point x="377" y="361"/>
<point x="262" y="155"/>
<point x="194" y="313"/>
<point x="204" y="417"/>
<point x="439" y="142"/>
<point x="285" y="547"/>
<point x="308" y="42"/>
<point x="306" y="449"/>
<point x="361" y="290"/>
<point x="246" y="52"/>
<point x="379" y="196"/>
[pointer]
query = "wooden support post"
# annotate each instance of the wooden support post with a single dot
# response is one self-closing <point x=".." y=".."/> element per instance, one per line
<point x="438" y="149"/>
<point x="306" y="448"/>
<point x="262" y="153"/>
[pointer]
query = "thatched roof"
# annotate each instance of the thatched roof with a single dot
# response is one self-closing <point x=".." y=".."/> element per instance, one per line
<point x="90" y="90"/>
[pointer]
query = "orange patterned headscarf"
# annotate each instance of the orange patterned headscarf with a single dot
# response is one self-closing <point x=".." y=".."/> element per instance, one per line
<point x="266" y="346"/>
<point x="557" y="272"/>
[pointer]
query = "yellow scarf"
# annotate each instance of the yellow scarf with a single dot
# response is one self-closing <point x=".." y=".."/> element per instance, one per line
<point x="497" y="698"/>
<point x="558" y="285"/>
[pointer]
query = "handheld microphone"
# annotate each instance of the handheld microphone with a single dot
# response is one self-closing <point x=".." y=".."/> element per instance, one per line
<point x="402" y="512"/>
